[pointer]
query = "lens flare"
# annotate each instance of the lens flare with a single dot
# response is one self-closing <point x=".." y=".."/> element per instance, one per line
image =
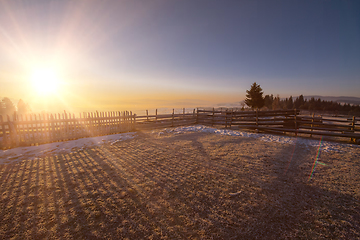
<point x="317" y="159"/>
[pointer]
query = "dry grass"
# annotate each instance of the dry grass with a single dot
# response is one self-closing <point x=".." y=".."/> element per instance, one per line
<point x="177" y="187"/>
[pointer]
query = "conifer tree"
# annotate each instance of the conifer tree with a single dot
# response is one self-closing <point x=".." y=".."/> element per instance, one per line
<point x="7" y="106"/>
<point x="254" y="97"/>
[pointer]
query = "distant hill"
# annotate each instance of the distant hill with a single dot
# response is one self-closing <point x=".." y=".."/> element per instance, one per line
<point x="341" y="99"/>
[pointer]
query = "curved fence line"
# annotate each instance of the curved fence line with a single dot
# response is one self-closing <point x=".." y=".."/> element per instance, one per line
<point x="35" y="129"/>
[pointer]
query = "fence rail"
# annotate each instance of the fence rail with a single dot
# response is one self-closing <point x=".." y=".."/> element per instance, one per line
<point x="282" y="121"/>
<point x="165" y="120"/>
<point x="37" y="129"/>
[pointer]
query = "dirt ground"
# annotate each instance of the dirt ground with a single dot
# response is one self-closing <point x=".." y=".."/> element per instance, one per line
<point x="179" y="187"/>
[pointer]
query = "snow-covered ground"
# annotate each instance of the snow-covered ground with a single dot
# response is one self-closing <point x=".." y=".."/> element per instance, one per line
<point x="325" y="145"/>
<point x="33" y="152"/>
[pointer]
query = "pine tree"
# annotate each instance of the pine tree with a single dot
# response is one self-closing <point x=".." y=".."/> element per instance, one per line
<point x="290" y="103"/>
<point x="9" y="107"/>
<point x="276" y="103"/>
<point x="22" y="107"/>
<point x="254" y="96"/>
<point x="268" y="100"/>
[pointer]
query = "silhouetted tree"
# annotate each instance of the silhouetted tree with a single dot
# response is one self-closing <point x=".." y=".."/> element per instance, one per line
<point x="299" y="102"/>
<point x="22" y="107"/>
<point x="7" y="106"/>
<point x="276" y="103"/>
<point x="290" y="103"/>
<point x="312" y="104"/>
<point x="268" y="100"/>
<point x="2" y="108"/>
<point x="254" y="96"/>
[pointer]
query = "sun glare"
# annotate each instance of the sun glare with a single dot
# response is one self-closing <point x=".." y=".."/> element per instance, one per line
<point x="45" y="81"/>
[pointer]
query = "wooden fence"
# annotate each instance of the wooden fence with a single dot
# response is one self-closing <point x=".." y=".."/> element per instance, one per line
<point x="37" y="129"/>
<point x="282" y="121"/>
<point x="44" y="128"/>
<point x="165" y="120"/>
<point x="245" y="119"/>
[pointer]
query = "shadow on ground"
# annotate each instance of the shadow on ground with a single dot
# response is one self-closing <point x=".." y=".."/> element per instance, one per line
<point x="177" y="187"/>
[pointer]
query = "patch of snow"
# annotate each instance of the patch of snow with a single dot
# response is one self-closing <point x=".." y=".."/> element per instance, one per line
<point x="325" y="145"/>
<point x="34" y="152"/>
<point x="60" y="147"/>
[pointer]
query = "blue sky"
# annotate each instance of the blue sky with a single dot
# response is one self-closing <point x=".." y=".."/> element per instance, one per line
<point x="174" y="51"/>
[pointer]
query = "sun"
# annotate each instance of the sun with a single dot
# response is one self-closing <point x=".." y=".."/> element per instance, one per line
<point x="45" y="81"/>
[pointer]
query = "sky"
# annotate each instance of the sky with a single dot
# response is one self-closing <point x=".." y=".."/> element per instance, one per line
<point x="89" y="55"/>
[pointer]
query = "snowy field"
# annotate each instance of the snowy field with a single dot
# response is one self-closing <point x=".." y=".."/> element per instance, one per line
<point x="191" y="182"/>
<point x="21" y="153"/>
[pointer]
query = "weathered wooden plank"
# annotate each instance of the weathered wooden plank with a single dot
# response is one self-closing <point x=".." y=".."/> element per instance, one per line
<point x="324" y="124"/>
<point x="324" y="133"/>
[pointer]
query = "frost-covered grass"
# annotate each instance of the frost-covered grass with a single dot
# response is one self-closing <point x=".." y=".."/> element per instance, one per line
<point x="178" y="183"/>
<point x="325" y="145"/>
<point x="32" y="152"/>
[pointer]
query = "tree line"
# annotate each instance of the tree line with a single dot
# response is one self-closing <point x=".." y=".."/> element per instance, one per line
<point x="255" y="100"/>
<point x="7" y="107"/>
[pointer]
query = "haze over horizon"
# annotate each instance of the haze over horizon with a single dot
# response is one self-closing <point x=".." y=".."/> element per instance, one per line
<point x="117" y="55"/>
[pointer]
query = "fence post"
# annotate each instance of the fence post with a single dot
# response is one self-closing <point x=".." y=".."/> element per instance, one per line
<point x="134" y="123"/>
<point x="88" y="124"/>
<point x="20" y="130"/>
<point x="36" y="134"/>
<point x="295" y="122"/>
<point x="212" y="120"/>
<point x="155" y="116"/>
<point x="194" y="114"/>
<point x="97" y="123"/>
<point x="52" y="127"/>
<point x="197" y="116"/>
<point x="66" y="125"/>
<point x="226" y="115"/>
<point x="16" y="131"/>
<point x="312" y="123"/>
<point x="131" y="119"/>
<point x="109" y="121"/>
<point x="106" y="122"/>
<point x="257" y="118"/>
<point x="57" y="124"/>
<point x="11" y="138"/>
<point x="126" y="121"/>
<point x="30" y="130"/>
<point x="38" y="128"/>
<point x="122" y="121"/>
<point x="93" y="123"/>
<point x="232" y="112"/>
<point x="115" y="121"/>
<point x="353" y="129"/>
<point x="172" y="122"/>
<point x="183" y="113"/>
<point x="147" y="115"/>
<point x="119" y="121"/>
<point x="44" y="128"/>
